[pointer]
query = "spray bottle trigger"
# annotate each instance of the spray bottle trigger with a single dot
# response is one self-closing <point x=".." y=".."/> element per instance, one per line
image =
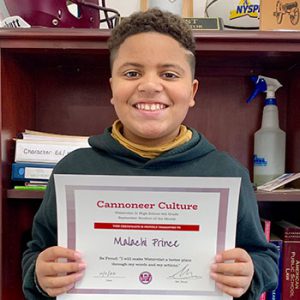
<point x="260" y="86"/>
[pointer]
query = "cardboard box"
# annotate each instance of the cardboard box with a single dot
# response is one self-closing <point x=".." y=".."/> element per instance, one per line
<point x="280" y="15"/>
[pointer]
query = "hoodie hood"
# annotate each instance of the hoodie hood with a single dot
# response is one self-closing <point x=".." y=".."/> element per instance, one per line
<point x="196" y="148"/>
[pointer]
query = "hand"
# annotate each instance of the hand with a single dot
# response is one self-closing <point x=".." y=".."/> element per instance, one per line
<point x="54" y="276"/>
<point x="233" y="271"/>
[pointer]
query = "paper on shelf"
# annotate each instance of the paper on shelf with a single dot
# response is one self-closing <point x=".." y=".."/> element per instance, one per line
<point x="279" y="182"/>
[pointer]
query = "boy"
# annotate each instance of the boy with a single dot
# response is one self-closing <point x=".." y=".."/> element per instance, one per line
<point x="153" y="86"/>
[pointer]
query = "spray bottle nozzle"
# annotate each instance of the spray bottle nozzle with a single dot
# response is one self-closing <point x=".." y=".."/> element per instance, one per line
<point x="260" y="86"/>
<point x="267" y="85"/>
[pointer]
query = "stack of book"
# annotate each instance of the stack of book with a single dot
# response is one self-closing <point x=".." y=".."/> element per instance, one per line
<point x="36" y="154"/>
<point x="286" y="236"/>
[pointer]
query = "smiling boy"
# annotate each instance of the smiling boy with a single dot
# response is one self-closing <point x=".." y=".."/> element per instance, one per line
<point x="153" y="87"/>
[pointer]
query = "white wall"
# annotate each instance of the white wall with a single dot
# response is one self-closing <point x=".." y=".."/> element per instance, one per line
<point x="199" y="7"/>
<point x="127" y="7"/>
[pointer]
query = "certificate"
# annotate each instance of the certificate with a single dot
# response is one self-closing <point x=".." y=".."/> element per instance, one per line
<point x="146" y="237"/>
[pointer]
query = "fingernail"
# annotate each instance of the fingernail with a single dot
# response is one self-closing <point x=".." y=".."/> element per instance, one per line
<point x="219" y="285"/>
<point x="81" y="266"/>
<point x="213" y="267"/>
<point x="218" y="257"/>
<point x="71" y="286"/>
<point x="79" y="276"/>
<point x="77" y="255"/>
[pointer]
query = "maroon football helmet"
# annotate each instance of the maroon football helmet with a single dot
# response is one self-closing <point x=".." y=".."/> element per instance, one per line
<point x="57" y="13"/>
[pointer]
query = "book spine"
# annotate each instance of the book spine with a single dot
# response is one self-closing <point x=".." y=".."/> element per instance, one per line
<point x="263" y="296"/>
<point x="43" y="152"/>
<point x="266" y="224"/>
<point x="30" y="188"/>
<point x="291" y="270"/>
<point x="276" y="294"/>
<point x="30" y="171"/>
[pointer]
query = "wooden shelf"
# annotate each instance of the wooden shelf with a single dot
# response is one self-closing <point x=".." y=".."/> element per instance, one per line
<point x="278" y="196"/>
<point x="261" y="196"/>
<point x="74" y="38"/>
<point x="26" y="195"/>
<point x="246" y="47"/>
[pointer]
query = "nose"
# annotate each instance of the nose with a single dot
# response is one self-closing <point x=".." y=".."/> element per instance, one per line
<point x="150" y="84"/>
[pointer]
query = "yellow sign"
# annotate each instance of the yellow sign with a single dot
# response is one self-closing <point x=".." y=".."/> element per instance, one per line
<point x="245" y="8"/>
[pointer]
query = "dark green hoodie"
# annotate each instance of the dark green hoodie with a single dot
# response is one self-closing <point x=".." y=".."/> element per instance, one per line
<point x="195" y="158"/>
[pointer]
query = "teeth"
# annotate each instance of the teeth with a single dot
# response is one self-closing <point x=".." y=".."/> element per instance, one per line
<point x="150" y="107"/>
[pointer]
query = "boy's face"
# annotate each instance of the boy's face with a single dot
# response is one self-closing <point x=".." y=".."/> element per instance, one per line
<point x="152" y="87"/>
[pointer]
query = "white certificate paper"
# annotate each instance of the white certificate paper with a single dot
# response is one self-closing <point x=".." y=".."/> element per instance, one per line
<point x="146" y="238"/>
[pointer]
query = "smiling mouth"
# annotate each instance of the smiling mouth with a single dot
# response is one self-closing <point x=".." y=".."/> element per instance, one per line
<point x="150" y="106"/>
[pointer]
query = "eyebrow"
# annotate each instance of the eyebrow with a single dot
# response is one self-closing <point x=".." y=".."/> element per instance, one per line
<point x="137" y="65"/>
<point x="175" y="66"/>
<point x="131" y="64"/>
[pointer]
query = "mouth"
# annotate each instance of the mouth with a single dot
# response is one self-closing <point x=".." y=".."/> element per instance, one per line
<point x="150" y="106"/>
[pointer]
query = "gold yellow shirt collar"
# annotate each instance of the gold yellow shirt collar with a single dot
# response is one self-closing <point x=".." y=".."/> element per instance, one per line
<point x="150" y="152"/>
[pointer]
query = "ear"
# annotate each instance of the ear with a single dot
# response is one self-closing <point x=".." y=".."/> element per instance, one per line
<point x="195" y="85"/>
<point x="112" y="98"/>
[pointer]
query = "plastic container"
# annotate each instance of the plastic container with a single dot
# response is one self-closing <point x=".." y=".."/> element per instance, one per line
<point x="269" y="148"/>
<point x="269" y="140"/>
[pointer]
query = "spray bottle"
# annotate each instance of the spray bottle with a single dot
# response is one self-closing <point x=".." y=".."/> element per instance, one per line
<point x="269" y="140"/>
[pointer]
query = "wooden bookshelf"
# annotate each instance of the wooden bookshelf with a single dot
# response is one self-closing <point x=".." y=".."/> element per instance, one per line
<point x="287" y="196"/>
<point x="261" y="196"/>
<point x="56" y="80"/>
<point x="27" y="195"/>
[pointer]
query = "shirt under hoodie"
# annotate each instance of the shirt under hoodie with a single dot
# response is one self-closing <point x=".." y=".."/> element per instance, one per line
<point x="195" y="158"/>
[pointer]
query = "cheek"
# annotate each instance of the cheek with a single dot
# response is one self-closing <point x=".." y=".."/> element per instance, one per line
<point x="183" y="96"/>
<point x="121" y="93"/>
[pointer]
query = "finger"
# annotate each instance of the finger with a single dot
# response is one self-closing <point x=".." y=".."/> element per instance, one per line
<point x="53" y="292"/>
<point x="234" y="292"/>
<point x="55" y="268"/>
<point x="53" y="253"/>
<point x="231" y="281"/>
<point x="236" y="254"/>
<point x="58" y="282"/>
<point x="230" y="268"/>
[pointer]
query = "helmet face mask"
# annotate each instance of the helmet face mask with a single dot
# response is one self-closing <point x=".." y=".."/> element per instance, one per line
<point x="62" y="13"/>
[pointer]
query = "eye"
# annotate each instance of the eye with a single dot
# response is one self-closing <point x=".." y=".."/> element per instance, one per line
<point x="170" y="75"/>
<point x="131" y="74"/>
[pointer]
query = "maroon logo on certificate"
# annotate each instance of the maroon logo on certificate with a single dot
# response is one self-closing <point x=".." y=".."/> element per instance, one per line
<point x="145" y="277"/>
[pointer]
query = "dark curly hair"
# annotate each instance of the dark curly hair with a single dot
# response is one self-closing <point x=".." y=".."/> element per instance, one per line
<point x="153" y="20"/>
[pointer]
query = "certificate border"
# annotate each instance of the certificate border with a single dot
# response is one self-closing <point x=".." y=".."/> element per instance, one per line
<point x="71" y="232"/>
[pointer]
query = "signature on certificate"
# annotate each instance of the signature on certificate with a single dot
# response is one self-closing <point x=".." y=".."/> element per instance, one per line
<point x="107" y="275"/>
<point x="185" y="274"/>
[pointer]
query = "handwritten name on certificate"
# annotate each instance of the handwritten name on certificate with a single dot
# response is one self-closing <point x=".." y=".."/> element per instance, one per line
<point x="146" y="237"/>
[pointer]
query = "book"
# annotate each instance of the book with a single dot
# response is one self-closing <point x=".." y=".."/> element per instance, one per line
<point x="45" y="151"/>
<point x="290" y="234"/>
<point x="281" y="181"/>
<point x="31" y="171"/>
<point x="40" y="135"/>
<point x="266" y="225"/>
<point x="30" y="188"/>
<point x="276" y="293"/>
<point x="36" y="182"/>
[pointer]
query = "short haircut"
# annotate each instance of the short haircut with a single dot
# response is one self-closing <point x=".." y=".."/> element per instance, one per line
<point x="153" y="20"/>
